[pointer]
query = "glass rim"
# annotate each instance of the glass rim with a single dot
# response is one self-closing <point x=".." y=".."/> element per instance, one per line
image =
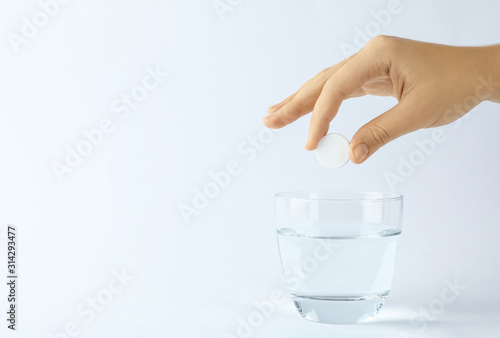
<point x="363" y="195"/>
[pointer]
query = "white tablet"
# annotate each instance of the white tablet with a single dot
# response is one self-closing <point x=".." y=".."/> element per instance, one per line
<point x="333" y="150"/>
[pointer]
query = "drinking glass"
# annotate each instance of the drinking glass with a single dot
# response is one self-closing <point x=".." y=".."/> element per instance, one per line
<point x="338" y="250"/>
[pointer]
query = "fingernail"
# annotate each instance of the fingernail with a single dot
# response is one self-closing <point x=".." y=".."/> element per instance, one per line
<point x="267" y="117"/>
<point x="361" y="151"/>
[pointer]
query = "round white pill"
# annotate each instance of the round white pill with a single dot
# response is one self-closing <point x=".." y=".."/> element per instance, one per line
<point x="333" y="150"/>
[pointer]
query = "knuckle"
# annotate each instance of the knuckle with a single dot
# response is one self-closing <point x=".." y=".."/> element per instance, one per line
<point x="380" y="42"/>
<point x="286" y="115"/>
<point x="326" y="70"/>
<point x="283" y="117"/>
<point x="381" y="39"/>
<point x="334" y="87"/>
<point x="320" y="119"/>
<point x="317" y="78"/>
<point x="330" y="83"/>
<point x="378" y="134"/>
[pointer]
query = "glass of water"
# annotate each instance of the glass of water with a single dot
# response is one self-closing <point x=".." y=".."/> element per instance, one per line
<point x="338" y="250"/>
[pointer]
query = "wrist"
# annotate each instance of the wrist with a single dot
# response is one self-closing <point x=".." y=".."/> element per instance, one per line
<point x="490" y="74"/>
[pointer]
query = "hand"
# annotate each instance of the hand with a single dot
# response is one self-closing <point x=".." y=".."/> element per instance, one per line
<point x="434" y="85"/>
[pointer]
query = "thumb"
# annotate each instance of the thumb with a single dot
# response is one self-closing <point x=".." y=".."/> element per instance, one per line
<point x="380" y="131"/>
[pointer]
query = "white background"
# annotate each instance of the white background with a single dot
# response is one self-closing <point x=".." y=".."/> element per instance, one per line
<point x="119" y="209"/>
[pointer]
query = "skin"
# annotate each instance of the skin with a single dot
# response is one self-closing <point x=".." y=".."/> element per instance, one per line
<point x="434" y="85"/>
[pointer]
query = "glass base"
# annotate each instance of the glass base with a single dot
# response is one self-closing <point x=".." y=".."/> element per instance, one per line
<point x="339" y="310"/>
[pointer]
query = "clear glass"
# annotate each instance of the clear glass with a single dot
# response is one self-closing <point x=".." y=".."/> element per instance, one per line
<point x="338" y="250"/>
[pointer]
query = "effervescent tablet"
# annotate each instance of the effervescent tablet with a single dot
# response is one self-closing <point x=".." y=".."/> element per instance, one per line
<point x="333" y="150"/>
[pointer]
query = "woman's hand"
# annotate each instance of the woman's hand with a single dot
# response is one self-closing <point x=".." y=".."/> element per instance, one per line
<point x="434" y="85"/>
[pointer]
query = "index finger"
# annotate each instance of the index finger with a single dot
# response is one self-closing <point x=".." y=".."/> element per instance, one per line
<point x="345" y="82"/>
